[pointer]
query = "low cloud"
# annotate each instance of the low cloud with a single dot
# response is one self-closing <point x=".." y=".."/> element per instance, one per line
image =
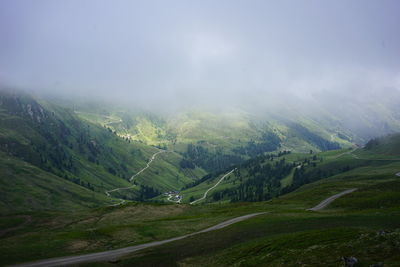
<point x="217" y="53"/>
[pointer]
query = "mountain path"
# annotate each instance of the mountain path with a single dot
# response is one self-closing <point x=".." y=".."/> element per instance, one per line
<point x="330" y="199"/>
<point x="211" y="188"/>
<point x="357" y="157"/>
<point x="148" y="164"/>
<point x="347" y="153"/>
<point x="153" y="157"/>
<point x="116" y="253"/>
<point x="174" y="201"/>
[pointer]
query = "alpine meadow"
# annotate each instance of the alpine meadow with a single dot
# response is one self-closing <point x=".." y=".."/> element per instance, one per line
<point x="199" y="133"/>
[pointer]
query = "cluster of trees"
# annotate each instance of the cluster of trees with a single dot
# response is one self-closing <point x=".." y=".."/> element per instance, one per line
<point x="269" y="142"/>
<point x="187" y="164"/>
<point x="344" y="137"/>
<point x="313" y="138"/>
<point x="205" y="178"/>
<point x="146" y="192"/>
<point x="305" y="174"/>
<point x="49" y="138"/>
<point x="263" y="183"/>
<point x="265" y="172"/>
<point x="196" y="155"/>
<point x="372" y="143"/>
<point x="80" y="182"/>
<point x="58" y="141"/>
<point x="284" y="152"/>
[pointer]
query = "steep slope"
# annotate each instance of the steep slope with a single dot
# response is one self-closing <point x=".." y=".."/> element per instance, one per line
<point x="53" y="139"/>
<point x="363" y="224"/>
<point x="272" y="175"/>
<point x="232" y="132"/>
<point x="387" y="146"/>
<point x="301" y="125"/>
<point x="24" y="187"/>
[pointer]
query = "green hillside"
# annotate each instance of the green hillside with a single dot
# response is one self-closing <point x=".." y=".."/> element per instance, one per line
<point x="55" y="140"/>
<point x="271" y="175"/>
<point x="225" y="130"/>
<point x="363" y="224"/>
<point x="388" y="145"/>
<point x="25" y="187"/>
<point x="217" y="140"/>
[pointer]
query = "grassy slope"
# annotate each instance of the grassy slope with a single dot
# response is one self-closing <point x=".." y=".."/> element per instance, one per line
<point x="27" y="125"/>
<point x="226" y="130"/>
<point x="166" y="175"/>
<point x="290" y="236"/>
<point x="103" y="228"/>
<point x="331" y="160"/>
<point x="25" y="187"/>
<point x="287" y="235"/>
<point x="387" y="147"/>
<point x="198" y="191"/>
<point x="233" y="181"/>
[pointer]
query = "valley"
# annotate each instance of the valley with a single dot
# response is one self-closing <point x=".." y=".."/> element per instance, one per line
<point x="109" y="195"/>
<point x="200" y="133"/>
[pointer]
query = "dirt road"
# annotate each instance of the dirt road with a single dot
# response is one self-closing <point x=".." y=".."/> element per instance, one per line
<point x="330" y="199"/>
<point x="211" y="188"/>
<point x="114" y="254"/>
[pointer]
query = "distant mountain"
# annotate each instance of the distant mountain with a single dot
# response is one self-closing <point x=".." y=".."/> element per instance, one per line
<point x="267" y="176"/>
<point x="387" y="145"/>
<point x="53" y="142"/>
<point x="98" y="147"/>
<point x="232" y="131"/>
<point x="326" y="121"/>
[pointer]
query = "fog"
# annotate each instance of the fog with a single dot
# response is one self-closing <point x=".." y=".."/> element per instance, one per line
<point x="218" y="53"/>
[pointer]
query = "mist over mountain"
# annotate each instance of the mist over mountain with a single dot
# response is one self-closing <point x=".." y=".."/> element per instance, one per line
<point x="130" y="124"/>
<point x="179" y="54"/>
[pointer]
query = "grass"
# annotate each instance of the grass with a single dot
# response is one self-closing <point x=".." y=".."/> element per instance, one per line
<point x="198" y="191"/>
<point x="165" y="175"/>
<point x="105" y="228"/>
<point x="286" y="235"/>
<point x="26" y="187"/>
<point x="72" y="147"/>
<point x="67" y="219"/>
<point x="331" y="161"/>
<point x="290" y="236"/>
<point x="226" y="130"/>
<point x="280" y="239"/>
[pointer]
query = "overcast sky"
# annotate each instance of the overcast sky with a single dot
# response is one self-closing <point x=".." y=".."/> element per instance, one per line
<point x="187" y="51"/>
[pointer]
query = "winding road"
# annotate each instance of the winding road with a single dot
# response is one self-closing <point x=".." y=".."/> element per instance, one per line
<point x="347" y="153"/>
<point x="174" y="201"/>
<point x="330" y="199"/>
<point x="148" y="164"/>
<point x="130" y="180"/>
<point x="116" y="253"/>
<point x="211" y="188"/>
<point x="357" y="157"/>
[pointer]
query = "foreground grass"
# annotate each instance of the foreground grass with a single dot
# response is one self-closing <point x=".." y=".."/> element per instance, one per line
<point x="53" y="234"/>
<point x="364" y="224"/>
<point x="277" y="240"/>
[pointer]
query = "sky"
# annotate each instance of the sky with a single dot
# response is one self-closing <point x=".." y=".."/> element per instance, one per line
<point x="186" y="52"/>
